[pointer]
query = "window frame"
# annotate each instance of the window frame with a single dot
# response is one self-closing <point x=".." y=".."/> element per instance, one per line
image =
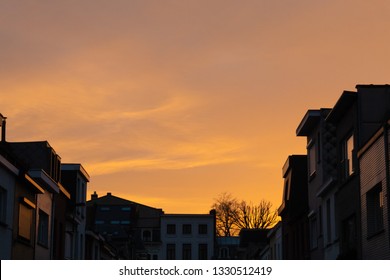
<point x="24" y="232"/>
<point x="3" y="206"/>
<point x="375" y="210"/>
<point x="347" y="156"/>
<point x="312" y="158"/>
<point x="171" y="229"/>
<point x="202" y="229"/>
<point x="186" y="229"/>
<point x="43" y="228"/>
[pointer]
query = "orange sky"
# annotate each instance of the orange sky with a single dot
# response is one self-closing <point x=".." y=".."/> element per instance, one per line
<point x="170" y="103"/>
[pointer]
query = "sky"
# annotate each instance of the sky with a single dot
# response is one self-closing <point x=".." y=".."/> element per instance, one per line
<point x="172" y="103"/>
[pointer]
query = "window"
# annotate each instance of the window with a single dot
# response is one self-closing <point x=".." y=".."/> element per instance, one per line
<point x="171" y="229"/>
<point x="126" y="209"/>
<point x="104" y="208"/>
<point x="312" y="158"/>
<point x="187" y="229"/>
<point x="224" y="253"/>
<point x="187" y="252"/>
<point x="3" y="205"/>
<point x="286" y="190"/>
<point x="374" y="210"/>
<point x="43" y="228"/>
<point x="328" y="222"/>
<point x="115" y="222"/>
<point x="156" y="235"/>
<point x="346" y="157"/>
<point x="25" y="221"/>
<point x="171" y="251"/>
<point x="313" y="233"/>
<point x="349" y="237"/>
<point x="147" y="236"/>
<point x="202" y="251"/>
<point x="202" y="229"/>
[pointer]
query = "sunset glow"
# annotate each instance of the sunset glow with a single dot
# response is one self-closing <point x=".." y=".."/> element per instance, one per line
<point x="170" y="103"/>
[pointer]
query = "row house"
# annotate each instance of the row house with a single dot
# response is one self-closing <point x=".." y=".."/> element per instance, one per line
<point x="274" y="249"/>
<point x="374" y="167"/>
<point x="137" y="231"/>
<point x="132" y="229"/>
<point x="35" y="204"/>
<point x="294" y="209"/>
<point x="188" y="236"/>
<point x="341" y="164"/>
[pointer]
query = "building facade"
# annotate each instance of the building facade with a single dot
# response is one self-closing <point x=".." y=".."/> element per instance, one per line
<point x="188" y="236"/>
<point x="294" y="209"/>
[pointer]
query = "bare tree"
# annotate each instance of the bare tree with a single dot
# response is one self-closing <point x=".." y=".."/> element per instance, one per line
<point x="226" y="208"/>
<point x="257" y="216"/>
<point x="232" y="216"/>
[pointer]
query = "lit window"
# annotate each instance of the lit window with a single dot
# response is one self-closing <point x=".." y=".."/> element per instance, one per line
<point x="25" y="221"/>
<point x="346" y="157"/>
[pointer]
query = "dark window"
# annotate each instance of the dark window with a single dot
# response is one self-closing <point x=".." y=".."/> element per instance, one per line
<point x="156" y="235"/>
<point x="349" y="238"/>
<point x="312" y="150"/>
<point x="3" y="205"/>
<point x="202" y="251"/>
<point x="187" y="229"/>
<point x="328" y="222"/>
<point x="202" y="229"/>
<point x="313" y="233"/>
<point x="43" y="228"/>
<point x="374" y="210"/>
<point x="147" y="236"/>
<point x="187" y="252"/>
<point x="171" y="251"/>
<point x="171" y="229"/>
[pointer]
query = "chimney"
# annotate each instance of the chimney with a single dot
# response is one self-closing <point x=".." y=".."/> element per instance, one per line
<point x="94" y="195"/>
<point x="108" y="194"/>
<point x="3" y="127"/>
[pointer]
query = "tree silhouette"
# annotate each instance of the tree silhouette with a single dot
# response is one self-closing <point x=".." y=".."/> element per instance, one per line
<point x="226" y="208"/>
<point x="232" y="216"/>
